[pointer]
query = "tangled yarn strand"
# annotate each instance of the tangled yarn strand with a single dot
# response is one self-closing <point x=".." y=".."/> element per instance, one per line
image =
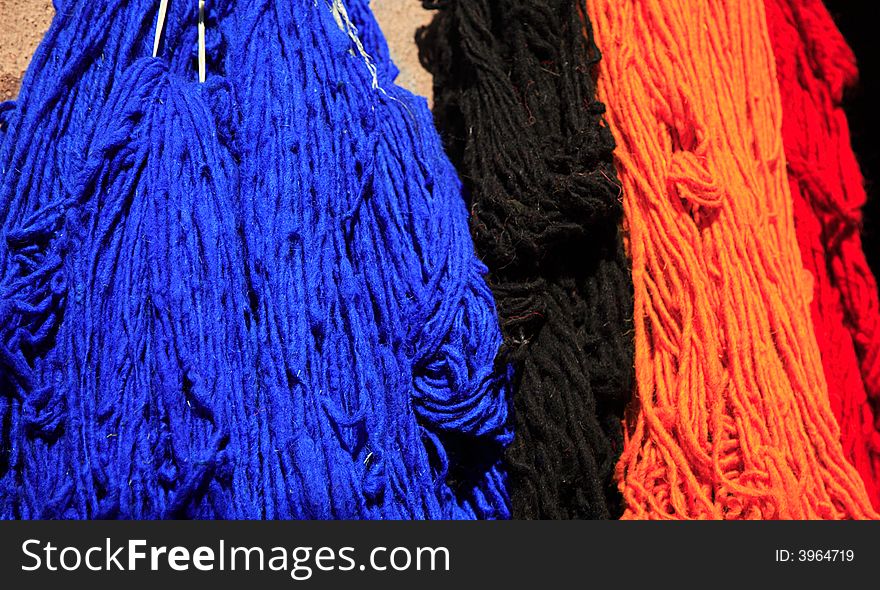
<point x="814" y="65"/>
<point x="733" y="417"/>
<point x="516" y="103"/>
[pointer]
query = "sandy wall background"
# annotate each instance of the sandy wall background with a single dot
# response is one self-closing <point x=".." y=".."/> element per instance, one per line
<point x="25" y="22"/>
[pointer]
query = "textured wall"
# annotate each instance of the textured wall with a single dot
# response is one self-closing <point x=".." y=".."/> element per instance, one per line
<point x="399" y="20"/>
<point x="24" y="22"/>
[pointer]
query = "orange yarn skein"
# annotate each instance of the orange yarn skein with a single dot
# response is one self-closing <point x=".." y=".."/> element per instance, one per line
<point x="732" y="413"/>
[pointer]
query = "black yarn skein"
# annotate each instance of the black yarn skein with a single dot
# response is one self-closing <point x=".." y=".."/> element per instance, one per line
<point x="515" y="99"/>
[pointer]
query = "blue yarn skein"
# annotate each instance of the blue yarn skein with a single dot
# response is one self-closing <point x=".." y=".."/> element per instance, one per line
<point x="277" y="316"/>
<point x="79" y="383"/>
<point x="378" y="332"/>
<point x="151" y="373"/>
<point x="45" y="133"/>
<point x="160" y="360"/>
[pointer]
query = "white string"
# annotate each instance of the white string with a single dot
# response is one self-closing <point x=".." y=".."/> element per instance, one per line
<point x="160" y="24"/>
<point x="201" y="40"/>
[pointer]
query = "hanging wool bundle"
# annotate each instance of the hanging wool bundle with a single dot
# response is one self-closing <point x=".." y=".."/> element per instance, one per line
<point x="250" y="301"/>
<point x="154" y="376"/>
<point x="814" y="65"/>
<point x="377" y="332"/>
<point x="46" y="132"/>
<point x="515" y="99"/>
<point x="130" y="274"/>
<point x="733" y="413"/>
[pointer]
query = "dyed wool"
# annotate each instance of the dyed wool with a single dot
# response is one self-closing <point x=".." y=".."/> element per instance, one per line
<point x="249" y="300"/>
<point x="156" y="375"/>
<point x="379" y="375"/>
<point x="46" y="133"/>
<point x="814" y="65"/>
<point x="733" y="417"/>
<point x="516" y="102"/>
